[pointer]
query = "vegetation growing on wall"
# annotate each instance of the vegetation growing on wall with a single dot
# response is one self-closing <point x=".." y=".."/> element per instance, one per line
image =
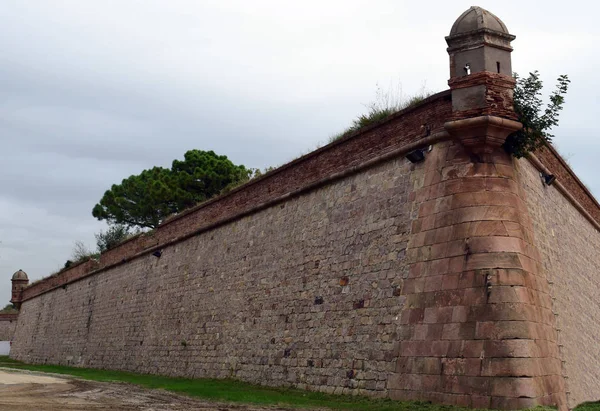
<point x="386" y="103"/>
<point x="113" y="236"/>
<point x="145" y="200"/>
<point x="537" y="121"/>
<point x="9" y="309"/>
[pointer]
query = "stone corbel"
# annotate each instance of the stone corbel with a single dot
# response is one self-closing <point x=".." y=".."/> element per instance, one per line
<point x="483" y="134"/>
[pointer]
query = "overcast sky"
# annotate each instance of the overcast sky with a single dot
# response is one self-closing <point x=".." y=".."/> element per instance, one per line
<point x="94" y="91"/>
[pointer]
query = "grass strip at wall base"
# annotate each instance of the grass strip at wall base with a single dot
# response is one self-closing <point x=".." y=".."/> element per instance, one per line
<point x="228" y="390"/>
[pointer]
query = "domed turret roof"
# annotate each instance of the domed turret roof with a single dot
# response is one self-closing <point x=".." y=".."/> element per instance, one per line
<point x="477" y="18"/>
<point x="20" y="275"/>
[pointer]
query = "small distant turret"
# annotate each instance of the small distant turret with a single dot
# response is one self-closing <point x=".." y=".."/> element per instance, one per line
<point x="19" y="281"/>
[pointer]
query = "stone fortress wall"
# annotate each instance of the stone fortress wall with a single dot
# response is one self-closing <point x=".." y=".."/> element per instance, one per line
<point x="355" y="270"/>
<point x="568" y="239"/>
<point x="8" y="324"/>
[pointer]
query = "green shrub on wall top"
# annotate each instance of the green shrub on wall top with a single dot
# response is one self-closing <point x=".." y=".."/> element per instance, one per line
<point x="536" y="121"/>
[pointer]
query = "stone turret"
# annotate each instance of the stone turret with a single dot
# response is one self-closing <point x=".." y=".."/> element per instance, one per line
<point x="479" y="41"/>
<point x="19" y="281"/>
<point x="481" y="81"/>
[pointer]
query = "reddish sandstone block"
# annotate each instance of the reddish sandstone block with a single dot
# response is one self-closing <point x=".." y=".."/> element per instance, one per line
<point x="487" y="213"/>
<point x="472" y="349"/>
<point x="444" y="219"/>
<point x="481" y="401"/>
<point x="417" y="240"/>
<point x="553" y="383"/>
<point x="447" y="298"/>
<point x="430" y="382"/>
<point x="505" y="312"/>
<point x="467" y="279"/>
<point x="529" y="264"/>
<point x="494" y="260"/>
<point x="507" y="171"/>
<point x="457" y="155"/>
<point x="441" y="349"/>
<point x="528" y="387"/>
<point x="428" y="223"/>
<point x="547" y="349"/>
<point x="450" y="281"/>
<point x="432" y="177"/>
<point x="430" y="315"/>
<point x="504" y="403"/>
<point x="457" y="264"/>
<point x="438" y="315"/>
<point x="416" y="226"/>
<point x="460" y="400"/>
<point x="420" y="332"/>
<point x="442" y="235"/>
<point x="509" y="294"/>
<point x="460" y="171"/>
<point x="472" y="385"/>
<point x="493" y="244"/>
<point x="501" y="184"/>
<point x="512" y="277"/>
<point x="418" y="301"/>
<point x="474" y="296"/>
<point x="427" y="208"/>
<point x="500" y="330"/>
<point x="490" y="198"/>
<point x="458" y="331"/>
<point x="434" y="332"/>
<point x="402" y="394"/>
<point x="463" y="185"/>
<point x="551" y="367"/>
<point x="445" y="266"/>
<point x="515" y="229"/>
<point x="409" y="348"/>
<point x="443" y="203"/>
<point x="416" y="315"/>
<point x="433" y="283"/>
<point x="478" y="229"/>
<point x="511" y="367"/>
<point x="396" y="381"/>
<point x="419" y="365"/>
<point x="456" y="248"/>
<point x="515" y="348"/>
<point x="461" y="366"/>
<point x="417" y="270"/>
<point x="413" y="285"/>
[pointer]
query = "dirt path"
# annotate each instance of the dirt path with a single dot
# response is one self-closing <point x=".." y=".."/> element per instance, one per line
<point x="27" y="391"/>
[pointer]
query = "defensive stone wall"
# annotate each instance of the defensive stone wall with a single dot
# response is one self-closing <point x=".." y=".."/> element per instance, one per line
<point x="405" y="131"/>
<point x="569" y="243"/>
<point x="305" y="291"/>
<point x="8" y="324"/>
